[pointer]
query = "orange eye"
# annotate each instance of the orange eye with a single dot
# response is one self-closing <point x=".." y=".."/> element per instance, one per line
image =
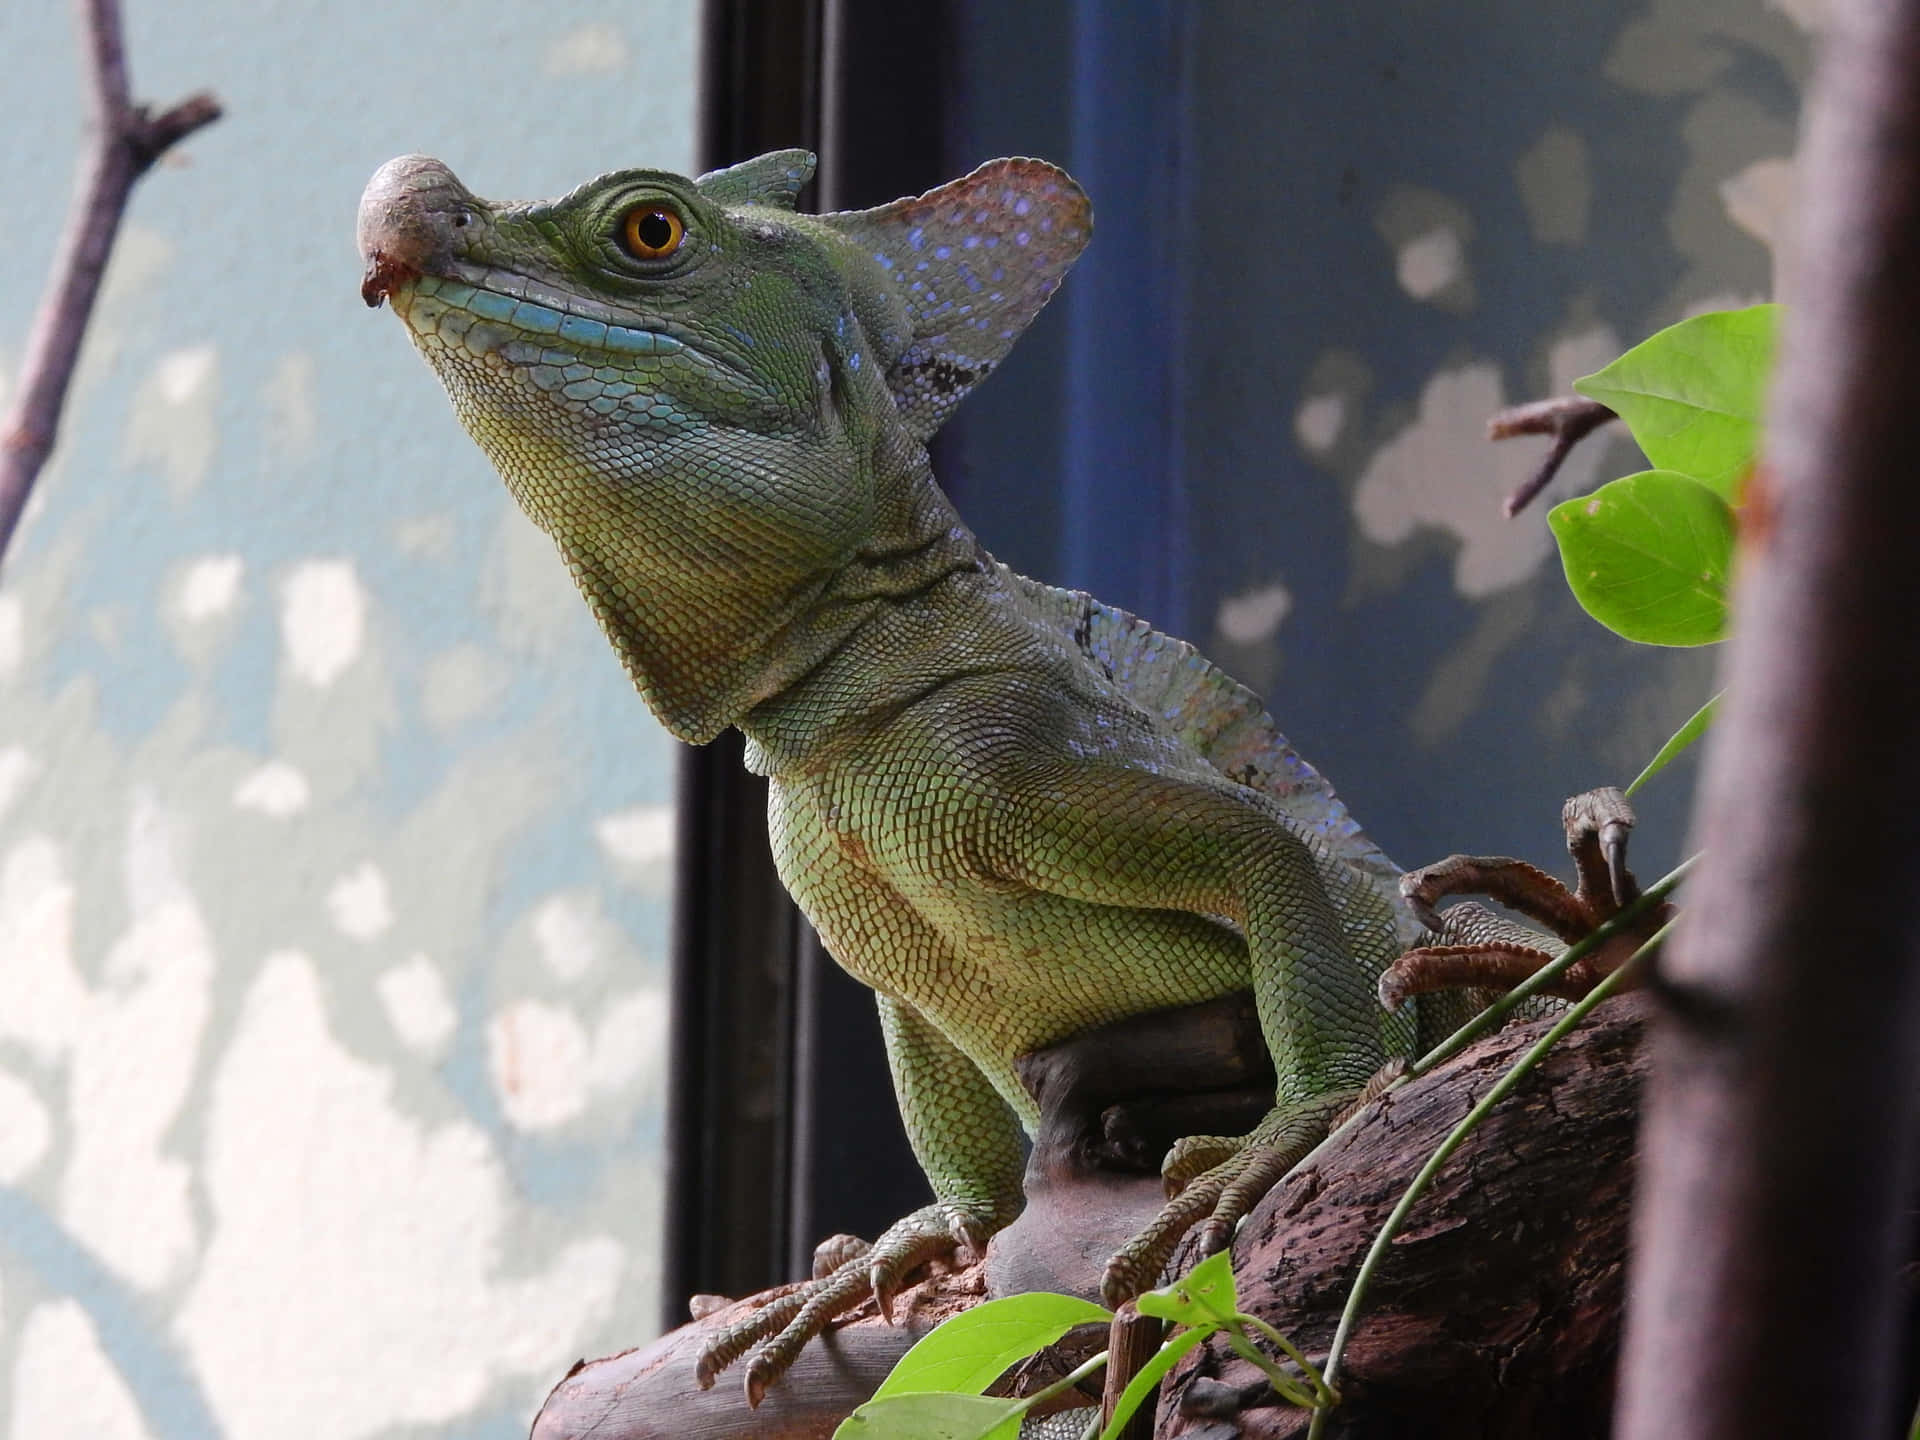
<point x="651" y="232"/>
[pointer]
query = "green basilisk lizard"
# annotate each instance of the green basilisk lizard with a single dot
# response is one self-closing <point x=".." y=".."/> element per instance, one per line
<point x="1013" y="811"/>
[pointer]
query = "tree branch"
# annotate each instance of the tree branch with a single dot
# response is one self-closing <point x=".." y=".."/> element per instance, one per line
<point x="1569" y="419"/>
<point x="126" y="141"/>
<point x="1786" y="1081"/>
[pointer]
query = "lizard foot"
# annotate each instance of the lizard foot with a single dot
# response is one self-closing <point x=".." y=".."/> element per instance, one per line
<point x="1214" y="1181"/>
<point x="1480" y="949"/>
<point x="846" y="1272"/>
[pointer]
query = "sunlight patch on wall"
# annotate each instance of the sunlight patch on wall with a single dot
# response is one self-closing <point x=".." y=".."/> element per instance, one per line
<point x="1440" y="472"/>
<point x="63" y="1383"/>
<point x="414" y="995"/>
<point x="351" y="1240"/>
<point x="275" y="790"/>
<point x="594" y="49"/>
<point x="323" y="618"/>
<point x="171" y="424"/>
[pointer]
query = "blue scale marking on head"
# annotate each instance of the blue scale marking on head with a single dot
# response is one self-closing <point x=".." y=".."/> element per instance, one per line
<point x="882" y="260"/>
<point x="536" y="319"/>
<point x="916" y="237"/>
<point x="490" y="306"/>
<point x="582" y="331"/>
<point x="942" y="252"/>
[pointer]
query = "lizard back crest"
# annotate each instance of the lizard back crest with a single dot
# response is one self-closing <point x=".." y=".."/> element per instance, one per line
<point x="1223" y="721"/>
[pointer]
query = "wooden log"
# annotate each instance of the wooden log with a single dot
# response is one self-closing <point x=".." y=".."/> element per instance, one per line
<point x="1496" y="1315"/>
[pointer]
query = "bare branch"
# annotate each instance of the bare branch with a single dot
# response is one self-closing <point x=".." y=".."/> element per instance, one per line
<point x="126" y="140"/>
<point x="1786" y="1086"/>
<point x="1569" y="419"/>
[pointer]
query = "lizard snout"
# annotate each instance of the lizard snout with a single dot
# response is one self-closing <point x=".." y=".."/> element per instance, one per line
<point x="408" y="215"/>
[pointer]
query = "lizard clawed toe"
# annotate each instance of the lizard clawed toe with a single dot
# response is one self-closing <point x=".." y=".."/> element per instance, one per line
<point x="1479" y="949"/>
<point x="781" y="1329"/>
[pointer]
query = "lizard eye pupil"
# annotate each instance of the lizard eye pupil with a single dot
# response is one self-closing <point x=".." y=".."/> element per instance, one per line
<point x="652" y="232"/>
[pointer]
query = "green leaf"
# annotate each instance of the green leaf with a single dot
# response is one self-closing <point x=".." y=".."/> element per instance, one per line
<point x="1163" y="1360"/>
<point x="1203" y="1296"/>
<point x="1695" y="727"/>
<point x="933" y="1417"/>
<point x="1692" y="393"/>
<point x="973" y="1349"/>
<point x="1647" y="556"/>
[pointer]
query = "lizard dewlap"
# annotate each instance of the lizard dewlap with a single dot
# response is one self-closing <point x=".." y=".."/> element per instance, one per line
<point x="1012" y="811"/>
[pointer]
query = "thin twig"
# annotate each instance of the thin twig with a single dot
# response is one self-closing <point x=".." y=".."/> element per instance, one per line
<point x="1569" y="419"/>
<point x="126" y="140"/>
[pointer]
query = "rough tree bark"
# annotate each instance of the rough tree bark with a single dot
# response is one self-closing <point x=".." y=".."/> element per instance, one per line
<point x="1782" y="1108"/>
<point x="1497" y="1315"/>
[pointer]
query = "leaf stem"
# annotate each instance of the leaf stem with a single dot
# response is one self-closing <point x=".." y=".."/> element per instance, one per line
<point x="1064" y="1383"/>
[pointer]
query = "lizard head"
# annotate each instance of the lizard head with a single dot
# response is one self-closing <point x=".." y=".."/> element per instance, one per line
<point x="714" y="404"/>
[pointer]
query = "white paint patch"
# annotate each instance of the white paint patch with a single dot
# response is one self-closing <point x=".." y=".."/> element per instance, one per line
<point x="25" y="1129"/>
<point x="46" y="1003"/>
<point x="1555" y="179"/>
<point x="276" y="790"/>
<point x="359" y="903"/>
<point x="1429" y="263"/>
<point x="640" y="838"/>
<point x="1254" y="616"/>
<point x="1760" y="198"/>
<point x="13" y="635"/>
<point x="630" y="1044"/>
<point x="427" y="536"/>
<point x="459" y="684"/>
<point x="418" y="1006"/>
<point x="63" y="1383"/>
<point x="293" y="425"/>
<point x="17" y="769"/>
<point x="594" y="49"/>
<point x="1809" y="15"/>
<point x="1318" y="422"/>
<point x="353" y="1245"/>
<point x="209" y="588"/>
<point x="171" y="423"/>
<point x="1441" y="472"/>
<point x="538" y="1057"/>
<point x="566" y="932"/>
<point x="1719" y="300"/>
<point x="132" y="1064"/>
<point x="323" y="620"/>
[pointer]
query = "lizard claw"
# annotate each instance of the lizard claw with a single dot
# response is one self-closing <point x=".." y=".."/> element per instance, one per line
<point x="1219" y="1197"/>
<point x="780" y="1330"/>
<point x="1480" y="949"/>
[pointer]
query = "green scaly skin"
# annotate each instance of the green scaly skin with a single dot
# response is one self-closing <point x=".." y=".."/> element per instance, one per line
<point x="727" y="443"/>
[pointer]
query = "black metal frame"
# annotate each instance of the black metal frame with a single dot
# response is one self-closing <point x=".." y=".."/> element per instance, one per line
<point x="781" y="1122"/>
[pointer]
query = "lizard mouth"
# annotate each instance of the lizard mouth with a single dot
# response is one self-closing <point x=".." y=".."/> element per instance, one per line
<point x="385" y="274"/>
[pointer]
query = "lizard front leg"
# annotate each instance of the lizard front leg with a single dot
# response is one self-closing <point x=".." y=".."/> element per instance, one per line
<point x="968" y="1143"/>
<point x="1129" y="837"/>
